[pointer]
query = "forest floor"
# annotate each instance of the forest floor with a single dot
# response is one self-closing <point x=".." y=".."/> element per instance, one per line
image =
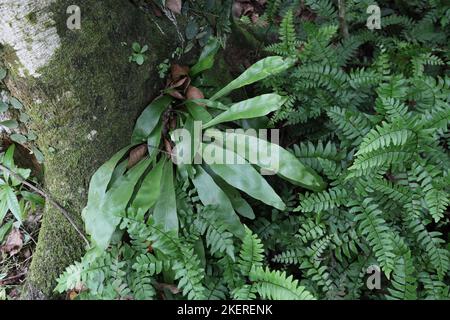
<point x="16" y="252"/>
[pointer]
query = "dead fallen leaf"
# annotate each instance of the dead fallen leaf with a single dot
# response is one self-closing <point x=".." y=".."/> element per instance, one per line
<point x="254" y="18"/>
<point x="156" y="11"/>
<point x="176" y="94"/>
<point x="194" y="93"/>
<point x="72" y="294"/>
<point x="174" y="6"/>
<point x="136" y="155"/>
<point x="177" y="71"/>
<point x="27" y="253"/>
<point x="14" y="294"/>
<point x="14" y="242"/>
<point x="248" y="9"/>
<point x="172" y="288"/>
<point x="237" y="9"/>
<point x="187" y="84"/>
<point x="168" y="147"/>
<point x="173" y="123"/>
<point x="178" y="83"/>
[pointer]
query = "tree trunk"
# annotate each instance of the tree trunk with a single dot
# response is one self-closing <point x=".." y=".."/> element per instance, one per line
<point x="83" y="96"/>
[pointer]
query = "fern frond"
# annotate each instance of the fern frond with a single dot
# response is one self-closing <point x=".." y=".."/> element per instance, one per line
<point x="325" y="200"/>
<point x="404" y="281"/>
<point x="251" y="252"/>
<point x="246" y="292"/>
<point x="142" y="286"/>
<point x="396" y="87"/>
<point x="310" y="230"/>
<point x="435" y="289"/>
<point x="364" y="78"/>
<point x="275" y="285"/>
<point x="189" y="274"/>
<point x="151" y="265"/>
<point x="215" y="288"/>
<point x="218" y="239"/>
<point x="419" y="62"/>
<point x="385" y="135"/>
<point x="353" y="126"/>
<point x="379" y="160"/>
<point x="378" y="235"/>
<point x="313" y="155"/>
<point x="288" y="39"/>
<point x="430" y="243"/>
<point x="318" y="75"/>
<point x="324" y="8"/>
<point x="392" y="108"/>
<point x="294" y="256"/>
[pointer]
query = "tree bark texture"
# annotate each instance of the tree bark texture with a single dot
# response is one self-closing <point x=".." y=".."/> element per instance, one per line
<point x="83" y="97"/>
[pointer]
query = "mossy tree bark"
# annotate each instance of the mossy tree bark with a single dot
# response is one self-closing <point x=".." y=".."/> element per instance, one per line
<point x="84" y="97"/>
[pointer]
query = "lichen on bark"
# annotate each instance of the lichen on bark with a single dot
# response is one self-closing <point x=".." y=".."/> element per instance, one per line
<point x="83" y="107"/>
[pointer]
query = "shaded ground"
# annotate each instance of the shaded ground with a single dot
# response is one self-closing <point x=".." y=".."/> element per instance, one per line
<point x="16" y="253"/>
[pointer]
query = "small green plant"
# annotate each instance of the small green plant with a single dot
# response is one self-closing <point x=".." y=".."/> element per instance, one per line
<point x="15" y="198"/>
<point x="138" y="55"/>
<point x="163" y="68"/>
<point x="19" y="222"/>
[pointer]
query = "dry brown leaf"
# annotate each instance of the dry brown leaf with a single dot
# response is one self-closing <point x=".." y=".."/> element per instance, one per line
<point x="177" y="71"/>
<point x="176" y="94"/>
<point x="72" y="294"/>
<point x="136" y="155"/>
<point x="248" y="9"/>
<point x="174" y="289"/>
<point x="174" y="6"/>
<point x="14" y="242"/>
<point x="27" y="253"/>
<point x="255" y="18"/>
<point x="187" y="84"/>
<point x="156" y="11"/>
<point x="237" y="9"/>
<point x="168" y="146"/>
<point x="178" y="83"/>
<point x="173" y="123"/>
<point x="194" y="93"/>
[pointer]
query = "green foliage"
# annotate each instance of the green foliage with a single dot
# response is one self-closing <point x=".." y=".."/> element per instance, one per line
<point x="157" y="225"/>
<point x="138" y="55"/>
<point x="369" y="124"/>
<point x="14" y="196"/>
<point x="369" y="113"/>
<point x="275" y="285"/>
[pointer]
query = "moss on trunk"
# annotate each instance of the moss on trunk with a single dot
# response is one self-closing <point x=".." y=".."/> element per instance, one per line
<point x="83" y="108"/>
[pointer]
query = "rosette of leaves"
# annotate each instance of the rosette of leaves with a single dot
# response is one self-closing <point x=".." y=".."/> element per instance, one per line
<point x="167" y="195"/>
<point x="148" y="185"/>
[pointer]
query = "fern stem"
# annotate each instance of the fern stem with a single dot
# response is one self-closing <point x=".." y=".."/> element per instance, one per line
<point x="342" y="22"/>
